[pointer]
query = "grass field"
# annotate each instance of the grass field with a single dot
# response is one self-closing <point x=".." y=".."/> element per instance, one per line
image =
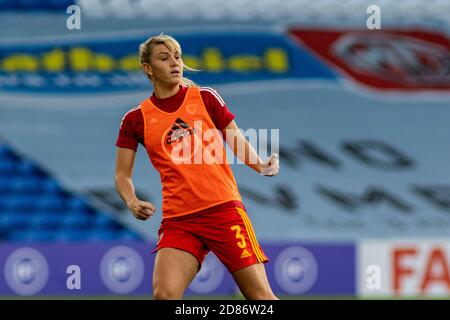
<point x="188" y="297"/>
<point x="223" y="297"/>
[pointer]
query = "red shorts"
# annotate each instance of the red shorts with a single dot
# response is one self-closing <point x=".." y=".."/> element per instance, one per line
<point x="228" y="233"/>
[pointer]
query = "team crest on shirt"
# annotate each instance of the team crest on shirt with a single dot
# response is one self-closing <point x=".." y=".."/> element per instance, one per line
<point x="191" y="108"/>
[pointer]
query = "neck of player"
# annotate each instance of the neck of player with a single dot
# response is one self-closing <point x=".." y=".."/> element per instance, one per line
<point x="165" y="90"/>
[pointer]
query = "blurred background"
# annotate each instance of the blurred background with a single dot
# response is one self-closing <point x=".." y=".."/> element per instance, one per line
<point x="360" y="95"/>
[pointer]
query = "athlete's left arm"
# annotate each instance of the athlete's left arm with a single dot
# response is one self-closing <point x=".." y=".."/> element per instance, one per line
<point x="247" y="154"/>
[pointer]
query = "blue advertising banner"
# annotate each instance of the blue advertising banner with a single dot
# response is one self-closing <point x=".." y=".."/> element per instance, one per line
<point x="74" y="269"/>
<point x="112" y="64"/>
<point x="95" y="269"/>
<point x="311" y="269"/>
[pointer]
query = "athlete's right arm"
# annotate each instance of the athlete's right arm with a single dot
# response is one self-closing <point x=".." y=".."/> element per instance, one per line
<point x="142" y="210"/>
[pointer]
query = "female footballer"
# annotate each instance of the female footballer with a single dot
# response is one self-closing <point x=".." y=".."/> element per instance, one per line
<point x="202" y="209"/>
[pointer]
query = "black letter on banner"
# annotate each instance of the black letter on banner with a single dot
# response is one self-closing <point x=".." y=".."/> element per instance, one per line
<point x="372" y="196"/>
<point x="388" y="157"/>
<point x="287" y="157"/>
<point x="439" y="195"/>
<point x="282" y="197"/>
<point x="286" y="197"/>
<point x="310" y="150"/>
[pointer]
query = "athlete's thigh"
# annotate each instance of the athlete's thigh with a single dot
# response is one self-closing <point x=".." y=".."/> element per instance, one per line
<point x="173" y="272"/>
<point x="253" y="282"/>
<point x="179" y="256"/>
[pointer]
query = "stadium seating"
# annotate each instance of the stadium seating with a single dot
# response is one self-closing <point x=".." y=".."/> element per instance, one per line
<point x="263" y="11"/>
<point x="34" y="207"/>
<point x="35" y="5"/>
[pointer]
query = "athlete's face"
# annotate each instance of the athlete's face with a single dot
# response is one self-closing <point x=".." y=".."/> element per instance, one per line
<point x="166" y="66"/>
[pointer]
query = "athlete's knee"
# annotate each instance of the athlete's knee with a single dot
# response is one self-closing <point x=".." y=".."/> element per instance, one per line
<point x="165" y="293"/>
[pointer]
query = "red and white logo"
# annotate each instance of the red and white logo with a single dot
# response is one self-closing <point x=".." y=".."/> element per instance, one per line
<point x="385" y="59"/>
<point x="425" y="270"/>
<point x="406" y="268"/>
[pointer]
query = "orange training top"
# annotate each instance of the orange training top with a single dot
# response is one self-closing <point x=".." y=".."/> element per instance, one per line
<point x="189" y="154"/>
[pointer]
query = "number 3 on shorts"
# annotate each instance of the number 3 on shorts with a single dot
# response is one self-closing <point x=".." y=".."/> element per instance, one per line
<point x="241" y="244"/>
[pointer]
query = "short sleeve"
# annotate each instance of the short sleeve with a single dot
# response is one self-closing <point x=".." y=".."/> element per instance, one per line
<point x="216" y="107"/>
<point x="127" y="137"/>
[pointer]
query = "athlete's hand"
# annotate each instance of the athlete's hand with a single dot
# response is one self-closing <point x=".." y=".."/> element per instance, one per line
<point x="271" y="166"/>
<point x="141" y="210"/>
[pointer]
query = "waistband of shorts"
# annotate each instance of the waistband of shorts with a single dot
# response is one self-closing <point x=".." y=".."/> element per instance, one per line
<point x="223" y="206"/>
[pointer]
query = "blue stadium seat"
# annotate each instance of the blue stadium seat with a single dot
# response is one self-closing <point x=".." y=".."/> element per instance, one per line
<point x="49" y="203"/>
<point x="4" y="211"/>
<point x="49" y="185"/>
<point x="25" y="185"/>
<point x="5" y="184"/>
<point x="77" y="203"/>
<point x="60" y="4"/>
<point x="32" y="236"/>
<point x="78" y="222"/>
<point x="36" y="5"/>
<point x="5" y="150"/>
<point x="103" y="220"/>
<point x="8" y="4"/>
<point x="45" y="221"/>
<point x="33" y="4"/>
<point x="27" y="167"/>
<point x="14" y="222"/>
<point x="34" y="207"/>
<point x="17" y="202"/>
<point x="8" y="167"/>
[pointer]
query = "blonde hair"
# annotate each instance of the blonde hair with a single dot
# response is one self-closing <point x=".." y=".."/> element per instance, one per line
<point x="146" y="49"/>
